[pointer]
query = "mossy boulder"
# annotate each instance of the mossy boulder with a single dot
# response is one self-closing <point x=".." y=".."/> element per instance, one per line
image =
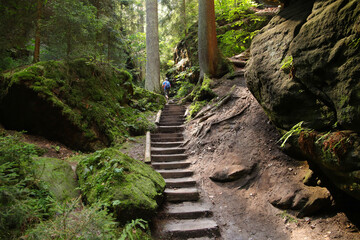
<point x="305" y="66"/>
<point x="128" y="187"/>
<point x="58" y="177"/>
<point x="81" y="103"/>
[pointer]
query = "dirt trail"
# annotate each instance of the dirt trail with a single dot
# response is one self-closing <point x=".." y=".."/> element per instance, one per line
<point x="241" y="208"/>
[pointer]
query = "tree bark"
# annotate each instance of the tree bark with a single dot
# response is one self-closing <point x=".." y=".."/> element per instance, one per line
<point x="208" y="48"/>
<point x="37" y="32"/>
<point x="183" y="16"/>
<point x="152" y="80"/>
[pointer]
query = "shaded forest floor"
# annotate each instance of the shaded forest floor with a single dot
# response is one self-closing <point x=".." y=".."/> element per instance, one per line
<point x="247" y="138"/>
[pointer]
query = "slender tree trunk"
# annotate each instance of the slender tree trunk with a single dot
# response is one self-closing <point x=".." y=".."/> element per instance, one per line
<point x="141" y="28"/>
<point x="152" y="80"/>
<point x="183" y="16"/>
<point x="208" y="48"/>
<point x="37" y="32"/>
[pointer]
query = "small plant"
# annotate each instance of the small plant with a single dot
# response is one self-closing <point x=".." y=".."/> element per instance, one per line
<point x="288" y="218"/>
<point x="136" y="230"/>
<point x="75" y="221"/>
<point x="296" y="129"/>
<point x="287" y="64"/>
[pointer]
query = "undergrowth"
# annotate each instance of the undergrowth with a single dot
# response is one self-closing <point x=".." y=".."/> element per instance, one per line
<point x="23" y="201"/>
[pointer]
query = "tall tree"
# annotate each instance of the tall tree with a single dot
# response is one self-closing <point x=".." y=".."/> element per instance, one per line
<point x="209" y="56"/>
<point x="37" y="32"/>
<point x="152" y="80"/>
<point x="183" y="16"/>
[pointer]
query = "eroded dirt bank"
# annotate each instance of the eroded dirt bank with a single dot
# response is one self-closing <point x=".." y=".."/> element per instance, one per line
<point x="239" y="133"/>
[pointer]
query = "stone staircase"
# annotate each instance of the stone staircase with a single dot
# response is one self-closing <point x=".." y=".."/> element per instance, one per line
<point x="184" y="215"/>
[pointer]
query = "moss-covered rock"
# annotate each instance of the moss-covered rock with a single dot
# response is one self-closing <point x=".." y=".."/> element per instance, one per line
<point x="128" y="187"/>
<point x="305" y="67"/>
<point x="79" y="103"/>
<point x="58" y="177"/>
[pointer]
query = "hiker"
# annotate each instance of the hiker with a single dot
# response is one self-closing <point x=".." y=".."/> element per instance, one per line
<point x="166" y="86"/>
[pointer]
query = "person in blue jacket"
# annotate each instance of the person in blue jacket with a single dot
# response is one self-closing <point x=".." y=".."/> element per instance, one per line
<point x="166" y="87"/>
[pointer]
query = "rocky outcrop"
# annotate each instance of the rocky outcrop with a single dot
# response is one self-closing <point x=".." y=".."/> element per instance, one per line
<point x="83" y="104"/>
<point x="305" y="66"/>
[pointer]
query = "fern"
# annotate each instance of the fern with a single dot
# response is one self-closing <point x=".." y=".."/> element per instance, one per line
<point x="296" y="129"/>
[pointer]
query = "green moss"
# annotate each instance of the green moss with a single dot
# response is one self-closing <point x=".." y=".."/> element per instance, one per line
<point x="195" y="107"/>
<point x="128" y="187"/>
<point x="58" y="177"/>
<point x="204" y="92"/>
<point x="96" y="98"/>
<point x="185" y="89"/>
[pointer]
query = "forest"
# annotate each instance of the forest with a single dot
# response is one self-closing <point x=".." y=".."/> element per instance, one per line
<point x="263" y="119"/>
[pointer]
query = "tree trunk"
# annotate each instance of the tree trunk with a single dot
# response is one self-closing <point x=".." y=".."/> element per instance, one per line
<point x="208" y="48"/>
<point x="37" y="32"/>
<point x="152" y="80"/>
<point x="183" y="16"/>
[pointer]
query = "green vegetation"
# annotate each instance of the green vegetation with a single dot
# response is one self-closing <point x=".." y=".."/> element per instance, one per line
<point x="288" y="218"/>
<point x="99" y="100"/>
<point x="127" y="187"/>
<point x="295" y="130"/>
<point x="24" y="200"/>
<point x="73" y="220"/>
<point x="136" y="230"/>
<point x="287" y="64"/>
<point x="239" y="25"/>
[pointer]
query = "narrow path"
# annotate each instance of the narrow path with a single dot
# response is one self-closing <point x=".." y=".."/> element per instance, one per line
<point x="184" y="215"/>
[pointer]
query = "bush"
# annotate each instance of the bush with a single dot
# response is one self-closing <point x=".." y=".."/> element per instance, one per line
<point x="23" y="201"/>
<point x="75" y="221"/>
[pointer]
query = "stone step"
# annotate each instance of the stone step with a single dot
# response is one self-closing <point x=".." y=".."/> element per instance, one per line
<point x="166" y="135"/>
<point x="173" y="123"/>
<point x="180" y="182"/>
<point x="175" y="173"/>
<point x="191" y="228"/>
<point x="181" y="194"/>
<point x="159" y="151"/>
<point x="187" y="210"/>
<point x="171" y="165"/>
<point x="169" y="117"/>
<point x="169" y="129"/>
<point x="168" y="157"/>
<point x="166" y="144"/>
<point x="170" y="139"/>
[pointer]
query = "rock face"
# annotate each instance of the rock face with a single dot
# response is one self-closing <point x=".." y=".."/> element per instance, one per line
<point x="129" y="188"/>
<point x="305" y="66"/>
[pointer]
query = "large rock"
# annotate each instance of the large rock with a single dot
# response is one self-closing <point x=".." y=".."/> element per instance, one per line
<point x="80" y="103"/>
<point x="128" y="187"/>
<point x="305" y="201"/>
<point x="305" y="66"/>
<point x="58" y="177"/>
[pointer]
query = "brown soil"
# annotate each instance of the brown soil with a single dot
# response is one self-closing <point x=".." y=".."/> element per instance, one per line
<point x="242" y="207"/>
